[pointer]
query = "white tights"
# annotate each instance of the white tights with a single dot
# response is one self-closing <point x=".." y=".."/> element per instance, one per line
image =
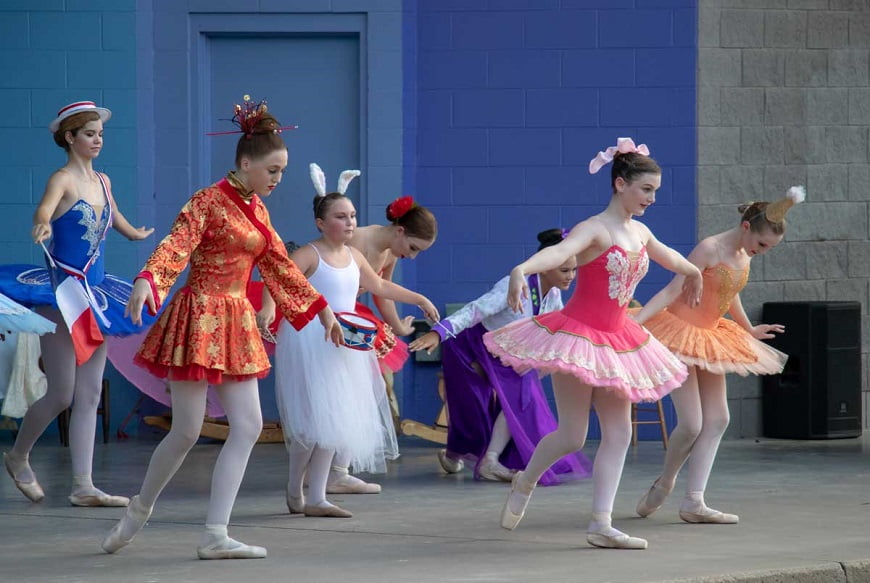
<point x="501" y="436"/>
<point x="316" y="462"/>
<point x="702" y="417"/>
<point x="573" y="400"/>
<point x="241" y="402"/>
<point x="68" y="384"/>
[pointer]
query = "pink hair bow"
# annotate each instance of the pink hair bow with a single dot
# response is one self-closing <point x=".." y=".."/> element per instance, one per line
<point x="623" y="146"/>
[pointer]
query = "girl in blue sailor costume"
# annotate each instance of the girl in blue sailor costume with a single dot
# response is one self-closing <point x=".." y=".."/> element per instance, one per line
<point x="74" y="292"/>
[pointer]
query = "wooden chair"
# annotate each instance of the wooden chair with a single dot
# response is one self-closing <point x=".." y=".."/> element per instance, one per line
<point x="436" y="432"/>
<point x="648" y="408"/>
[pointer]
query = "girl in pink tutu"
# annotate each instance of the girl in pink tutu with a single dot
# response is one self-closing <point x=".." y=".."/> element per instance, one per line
<point x="597" y="355"/>
<point x="712" y="346"/>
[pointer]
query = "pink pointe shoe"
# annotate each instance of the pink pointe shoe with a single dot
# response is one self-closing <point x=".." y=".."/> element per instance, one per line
<point x="347" y="484"/>
<point x="31" y="489"/>
<point x="509" y="520"/>
<point x="652" y="500"/>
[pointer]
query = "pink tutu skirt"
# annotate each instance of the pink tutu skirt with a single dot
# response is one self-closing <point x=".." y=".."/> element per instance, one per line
<point x="628" y="360"/>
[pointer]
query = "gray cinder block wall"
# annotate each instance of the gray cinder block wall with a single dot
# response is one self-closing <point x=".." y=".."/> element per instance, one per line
<point x="783" y="99"/>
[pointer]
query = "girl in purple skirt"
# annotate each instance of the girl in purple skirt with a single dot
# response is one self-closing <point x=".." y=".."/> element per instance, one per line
<point x="498" y="416"/>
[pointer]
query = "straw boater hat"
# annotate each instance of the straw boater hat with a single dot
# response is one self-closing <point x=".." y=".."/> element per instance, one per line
<point x="78" y="107"/>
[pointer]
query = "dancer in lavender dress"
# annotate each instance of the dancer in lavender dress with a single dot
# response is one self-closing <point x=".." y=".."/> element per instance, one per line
<point x="497" y="416"/>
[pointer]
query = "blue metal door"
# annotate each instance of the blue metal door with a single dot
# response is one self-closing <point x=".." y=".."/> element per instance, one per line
<point x="312" y="81"/>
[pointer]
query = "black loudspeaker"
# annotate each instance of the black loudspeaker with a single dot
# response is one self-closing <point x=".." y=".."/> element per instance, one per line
<point x="818" y="394"/>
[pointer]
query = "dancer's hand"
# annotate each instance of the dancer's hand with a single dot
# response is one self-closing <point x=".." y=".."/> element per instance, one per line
<point x="693" y="285"/>
<point x="140" y="233"/>
<point x="41" y="232"/>
<point x="407" y="326"/>
<point x="334" y="333"/>
<point x="428" y="342"/>
<point x="140" y="296"/>
<point x="766" y="331"/>
<point x="429" y="310"/>
<point x="265" y="317"/>
<point x="518" y="290"/>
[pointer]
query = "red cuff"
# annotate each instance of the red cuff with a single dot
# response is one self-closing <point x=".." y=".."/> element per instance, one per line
<point x="303" y="318"/>
<point x="146" y="275"/>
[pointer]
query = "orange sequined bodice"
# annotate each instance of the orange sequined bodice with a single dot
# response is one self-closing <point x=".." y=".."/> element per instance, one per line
<point x="721" y="284"/>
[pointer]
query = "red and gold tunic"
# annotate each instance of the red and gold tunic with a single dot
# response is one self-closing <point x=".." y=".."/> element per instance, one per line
<point x="209" y="330"/>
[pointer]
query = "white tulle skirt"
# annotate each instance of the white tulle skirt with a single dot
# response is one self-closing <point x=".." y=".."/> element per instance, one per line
<point x="333" y="397"/>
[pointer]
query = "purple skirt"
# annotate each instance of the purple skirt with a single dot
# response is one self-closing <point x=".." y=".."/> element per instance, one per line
<point x="474" y="402"/>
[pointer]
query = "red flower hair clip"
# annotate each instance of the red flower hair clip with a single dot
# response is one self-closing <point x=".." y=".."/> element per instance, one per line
<point x="247" y="115"/>
<point x="399" y="207"/>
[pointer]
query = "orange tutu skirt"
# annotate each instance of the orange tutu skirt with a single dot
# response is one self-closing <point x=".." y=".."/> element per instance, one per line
<point x="725" y="348"/>
<point x="199" y="337"/>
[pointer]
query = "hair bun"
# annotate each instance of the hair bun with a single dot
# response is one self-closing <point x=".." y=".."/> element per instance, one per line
<point x="399" y="207"/>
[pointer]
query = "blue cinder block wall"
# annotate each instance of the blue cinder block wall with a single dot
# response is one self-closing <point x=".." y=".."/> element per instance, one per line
<point x="513" y="98"/>
<point x="54" y="52"/>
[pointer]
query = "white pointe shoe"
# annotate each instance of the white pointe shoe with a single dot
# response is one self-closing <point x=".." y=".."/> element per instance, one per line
<point x="509" y="520"/>
<point x="127" y="528"/>
<point x="493" y="471"/>
<point x="96" y="497"/>
<point x="347" y="484"/>
<point x="32" y="490"/>
<point x="448" y="464"/>
<point x="708" y="516"/>
<point x="652" y="500"/>
<point x="228" y="548"/>
<point x="616" y="541"/>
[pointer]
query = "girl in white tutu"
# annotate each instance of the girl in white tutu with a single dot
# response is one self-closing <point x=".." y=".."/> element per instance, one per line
<point x="596" y="354"/>
<point x="333" y="397"/>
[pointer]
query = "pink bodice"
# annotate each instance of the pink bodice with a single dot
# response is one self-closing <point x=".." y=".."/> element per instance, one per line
<point x="605" y="285"/>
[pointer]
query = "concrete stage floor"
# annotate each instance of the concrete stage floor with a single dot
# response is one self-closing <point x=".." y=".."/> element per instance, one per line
<point x="804" y="509"/>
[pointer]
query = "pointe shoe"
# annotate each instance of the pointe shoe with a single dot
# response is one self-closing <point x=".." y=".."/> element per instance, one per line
<point x="296" y="505"/>
<point x="449" y="465"/>
<point x="709" y="516"/>
<point x="330" y="511"/>
<point x="347" y="484"/>
<point x="493" y="471"/>
<point x="645" y="507"/>
<point x="618" y="541"/>
<point x="97" y="498"/>
<point x="509" y="520"/>
<point x="32" y="490"/>
<point x="229" y="548"/>
<point x="133" y="520"/>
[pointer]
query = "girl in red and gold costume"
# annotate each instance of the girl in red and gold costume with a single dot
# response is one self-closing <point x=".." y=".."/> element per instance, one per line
<point x="711" y="346"/>
<point x="207" y="334"/>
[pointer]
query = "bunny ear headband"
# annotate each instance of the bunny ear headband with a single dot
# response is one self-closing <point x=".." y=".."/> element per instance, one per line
<point x="319" y="179"/>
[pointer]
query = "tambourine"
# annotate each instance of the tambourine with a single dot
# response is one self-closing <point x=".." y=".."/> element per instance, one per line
<point x="359" y="331"/>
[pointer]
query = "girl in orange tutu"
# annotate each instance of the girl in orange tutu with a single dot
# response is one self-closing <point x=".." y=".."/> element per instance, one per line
<point x="711" y="346"/>
<point x="207" y="334"/>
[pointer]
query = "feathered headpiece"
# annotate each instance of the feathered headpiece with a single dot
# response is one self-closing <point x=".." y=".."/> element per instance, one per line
<point x="247" y="115"/>
<point x="775" y="211"/>
<point x="319" y="179"/>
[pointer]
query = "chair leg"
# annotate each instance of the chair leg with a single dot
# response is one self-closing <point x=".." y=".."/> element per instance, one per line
<point x="105" y="410"/>
<point x="664" y="425"/>
<point x="634" y="424"/>
<point x="63" y="427"/>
